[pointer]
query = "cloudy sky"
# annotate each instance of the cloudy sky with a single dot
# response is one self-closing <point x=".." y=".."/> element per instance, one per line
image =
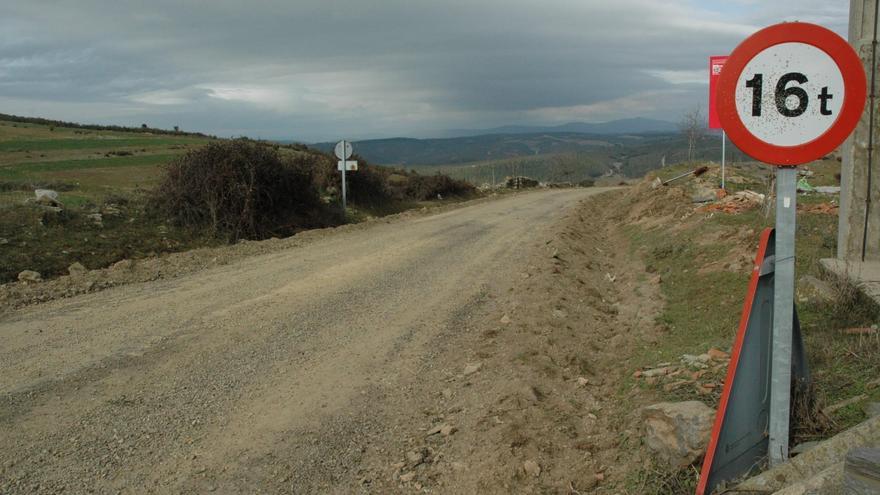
<point x="313" y="70"/>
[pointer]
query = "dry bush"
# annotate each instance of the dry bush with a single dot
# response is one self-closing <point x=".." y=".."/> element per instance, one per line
<point x="425" y="187"/>
<point x="239" y="189"/>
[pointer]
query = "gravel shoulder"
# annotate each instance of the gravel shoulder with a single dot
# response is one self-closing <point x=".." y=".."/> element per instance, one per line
<point x="322" y="366"/>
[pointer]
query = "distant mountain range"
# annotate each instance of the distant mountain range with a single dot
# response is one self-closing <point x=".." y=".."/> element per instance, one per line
<point x="508" y="142"/>
<point x="637" y="125"/>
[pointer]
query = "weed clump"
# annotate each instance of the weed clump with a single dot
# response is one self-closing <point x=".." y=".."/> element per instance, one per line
<point x="239" y="190"/>
<point x="425" y="187"/>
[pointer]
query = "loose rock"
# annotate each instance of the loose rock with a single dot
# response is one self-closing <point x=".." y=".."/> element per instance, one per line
<point x="448" y="430"/>
<point x="531" y="468"/>
<point x="76" y="269"/>
<point x="47" y="197"/>
<point x="678" y="431"/>
<point x="29" y="276"/>
<point x="414" y="458"/>
<point x="472" y="368"/>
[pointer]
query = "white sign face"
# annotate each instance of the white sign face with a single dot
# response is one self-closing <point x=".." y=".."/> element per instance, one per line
<point x="789" y="94"/>
<point x="343" y="150"/>
<point x="348" y="165"/>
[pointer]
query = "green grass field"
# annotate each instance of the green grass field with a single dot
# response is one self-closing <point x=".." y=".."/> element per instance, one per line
<point x="86" y="165"/>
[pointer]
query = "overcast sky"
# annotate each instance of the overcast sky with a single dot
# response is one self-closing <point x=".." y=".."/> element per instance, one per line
<point x="314" y="70"/>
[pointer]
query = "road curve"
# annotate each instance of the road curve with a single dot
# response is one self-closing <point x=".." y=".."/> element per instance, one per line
<point x="191" y="384"/>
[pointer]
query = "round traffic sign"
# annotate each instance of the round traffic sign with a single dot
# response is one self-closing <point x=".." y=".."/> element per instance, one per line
<point x="343" y="150"/>
<point x="791" y="93"/>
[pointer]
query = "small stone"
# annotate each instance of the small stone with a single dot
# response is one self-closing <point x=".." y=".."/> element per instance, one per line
<point x="505" y="319"/>
<point x="46" y="197"/>
<point x="122" y="265"/>
<point x="583" y="382"/>
<point x="531" y="468"/>
<point x="414" y="458"/>
<point x="76" y="269"/>
<point x="655" y="372"/>
<point x="29" y="276"/>
<point x="407" y="477"/>
<point x="435" y="430"/>
<point x="448" y="430"/>
<point x="558" y="313"/>
<point x="472" y="368"/>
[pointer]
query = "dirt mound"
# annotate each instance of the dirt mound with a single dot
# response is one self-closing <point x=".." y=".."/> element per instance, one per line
<point x="649" y="203"/>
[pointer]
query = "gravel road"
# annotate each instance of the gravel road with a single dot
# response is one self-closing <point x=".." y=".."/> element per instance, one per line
<point x="255" y="376"/>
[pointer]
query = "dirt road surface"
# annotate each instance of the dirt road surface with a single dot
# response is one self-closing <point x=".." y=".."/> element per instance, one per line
<point x="298" y="371"/>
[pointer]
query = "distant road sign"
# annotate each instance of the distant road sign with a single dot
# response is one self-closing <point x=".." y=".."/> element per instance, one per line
<point x="791" y="93"/>
<point x="716" y="63"/>
<point x="347" y="164"/>
<point x="343" y="150"/>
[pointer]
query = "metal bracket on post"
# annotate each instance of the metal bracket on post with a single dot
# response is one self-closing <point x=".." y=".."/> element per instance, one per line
<point x="783" y="301"/>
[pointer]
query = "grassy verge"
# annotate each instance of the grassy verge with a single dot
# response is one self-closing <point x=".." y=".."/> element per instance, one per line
<point x="704" y="280"/>
<point x="45" y="241"/>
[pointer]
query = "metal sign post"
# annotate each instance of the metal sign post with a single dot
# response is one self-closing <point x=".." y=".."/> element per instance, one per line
<point x="723" y="155"/>
<point x="789" y="94"/>
<point x="343" y="152"/>
<point x="783" y="300"/>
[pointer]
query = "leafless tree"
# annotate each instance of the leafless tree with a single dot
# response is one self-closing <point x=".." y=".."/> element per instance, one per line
<point x="693" y="127"/>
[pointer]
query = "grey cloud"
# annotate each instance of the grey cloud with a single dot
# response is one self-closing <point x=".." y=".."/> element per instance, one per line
<point x="313" y="69"/>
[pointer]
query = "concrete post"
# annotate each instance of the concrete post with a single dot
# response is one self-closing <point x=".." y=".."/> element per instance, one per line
<point x="860" y="187"/>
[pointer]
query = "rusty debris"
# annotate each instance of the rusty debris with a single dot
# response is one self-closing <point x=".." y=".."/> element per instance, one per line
<point x="735" y="203"/>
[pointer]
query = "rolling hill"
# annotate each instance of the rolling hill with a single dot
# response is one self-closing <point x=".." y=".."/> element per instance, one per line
<point x="552" y="157"/>
<point x="638" y="125"/>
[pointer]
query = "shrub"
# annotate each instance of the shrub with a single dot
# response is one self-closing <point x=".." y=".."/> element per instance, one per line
<point x="239" y="189"/>
<point x="368" y="186"/>
<point x="424" y="187"/>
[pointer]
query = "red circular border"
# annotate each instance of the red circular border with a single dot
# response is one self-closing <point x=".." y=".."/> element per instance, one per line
<point x="799" y="32"/>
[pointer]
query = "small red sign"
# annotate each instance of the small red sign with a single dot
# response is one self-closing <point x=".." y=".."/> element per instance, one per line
<point x="791" y="93"/>
<point x="715" y="65"/>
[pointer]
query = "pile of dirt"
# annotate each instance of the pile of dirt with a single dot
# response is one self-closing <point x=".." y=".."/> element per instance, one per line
<point x="826" y="208"/>
<point x="736" y="203"/>
<point x="647" y="204"/>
